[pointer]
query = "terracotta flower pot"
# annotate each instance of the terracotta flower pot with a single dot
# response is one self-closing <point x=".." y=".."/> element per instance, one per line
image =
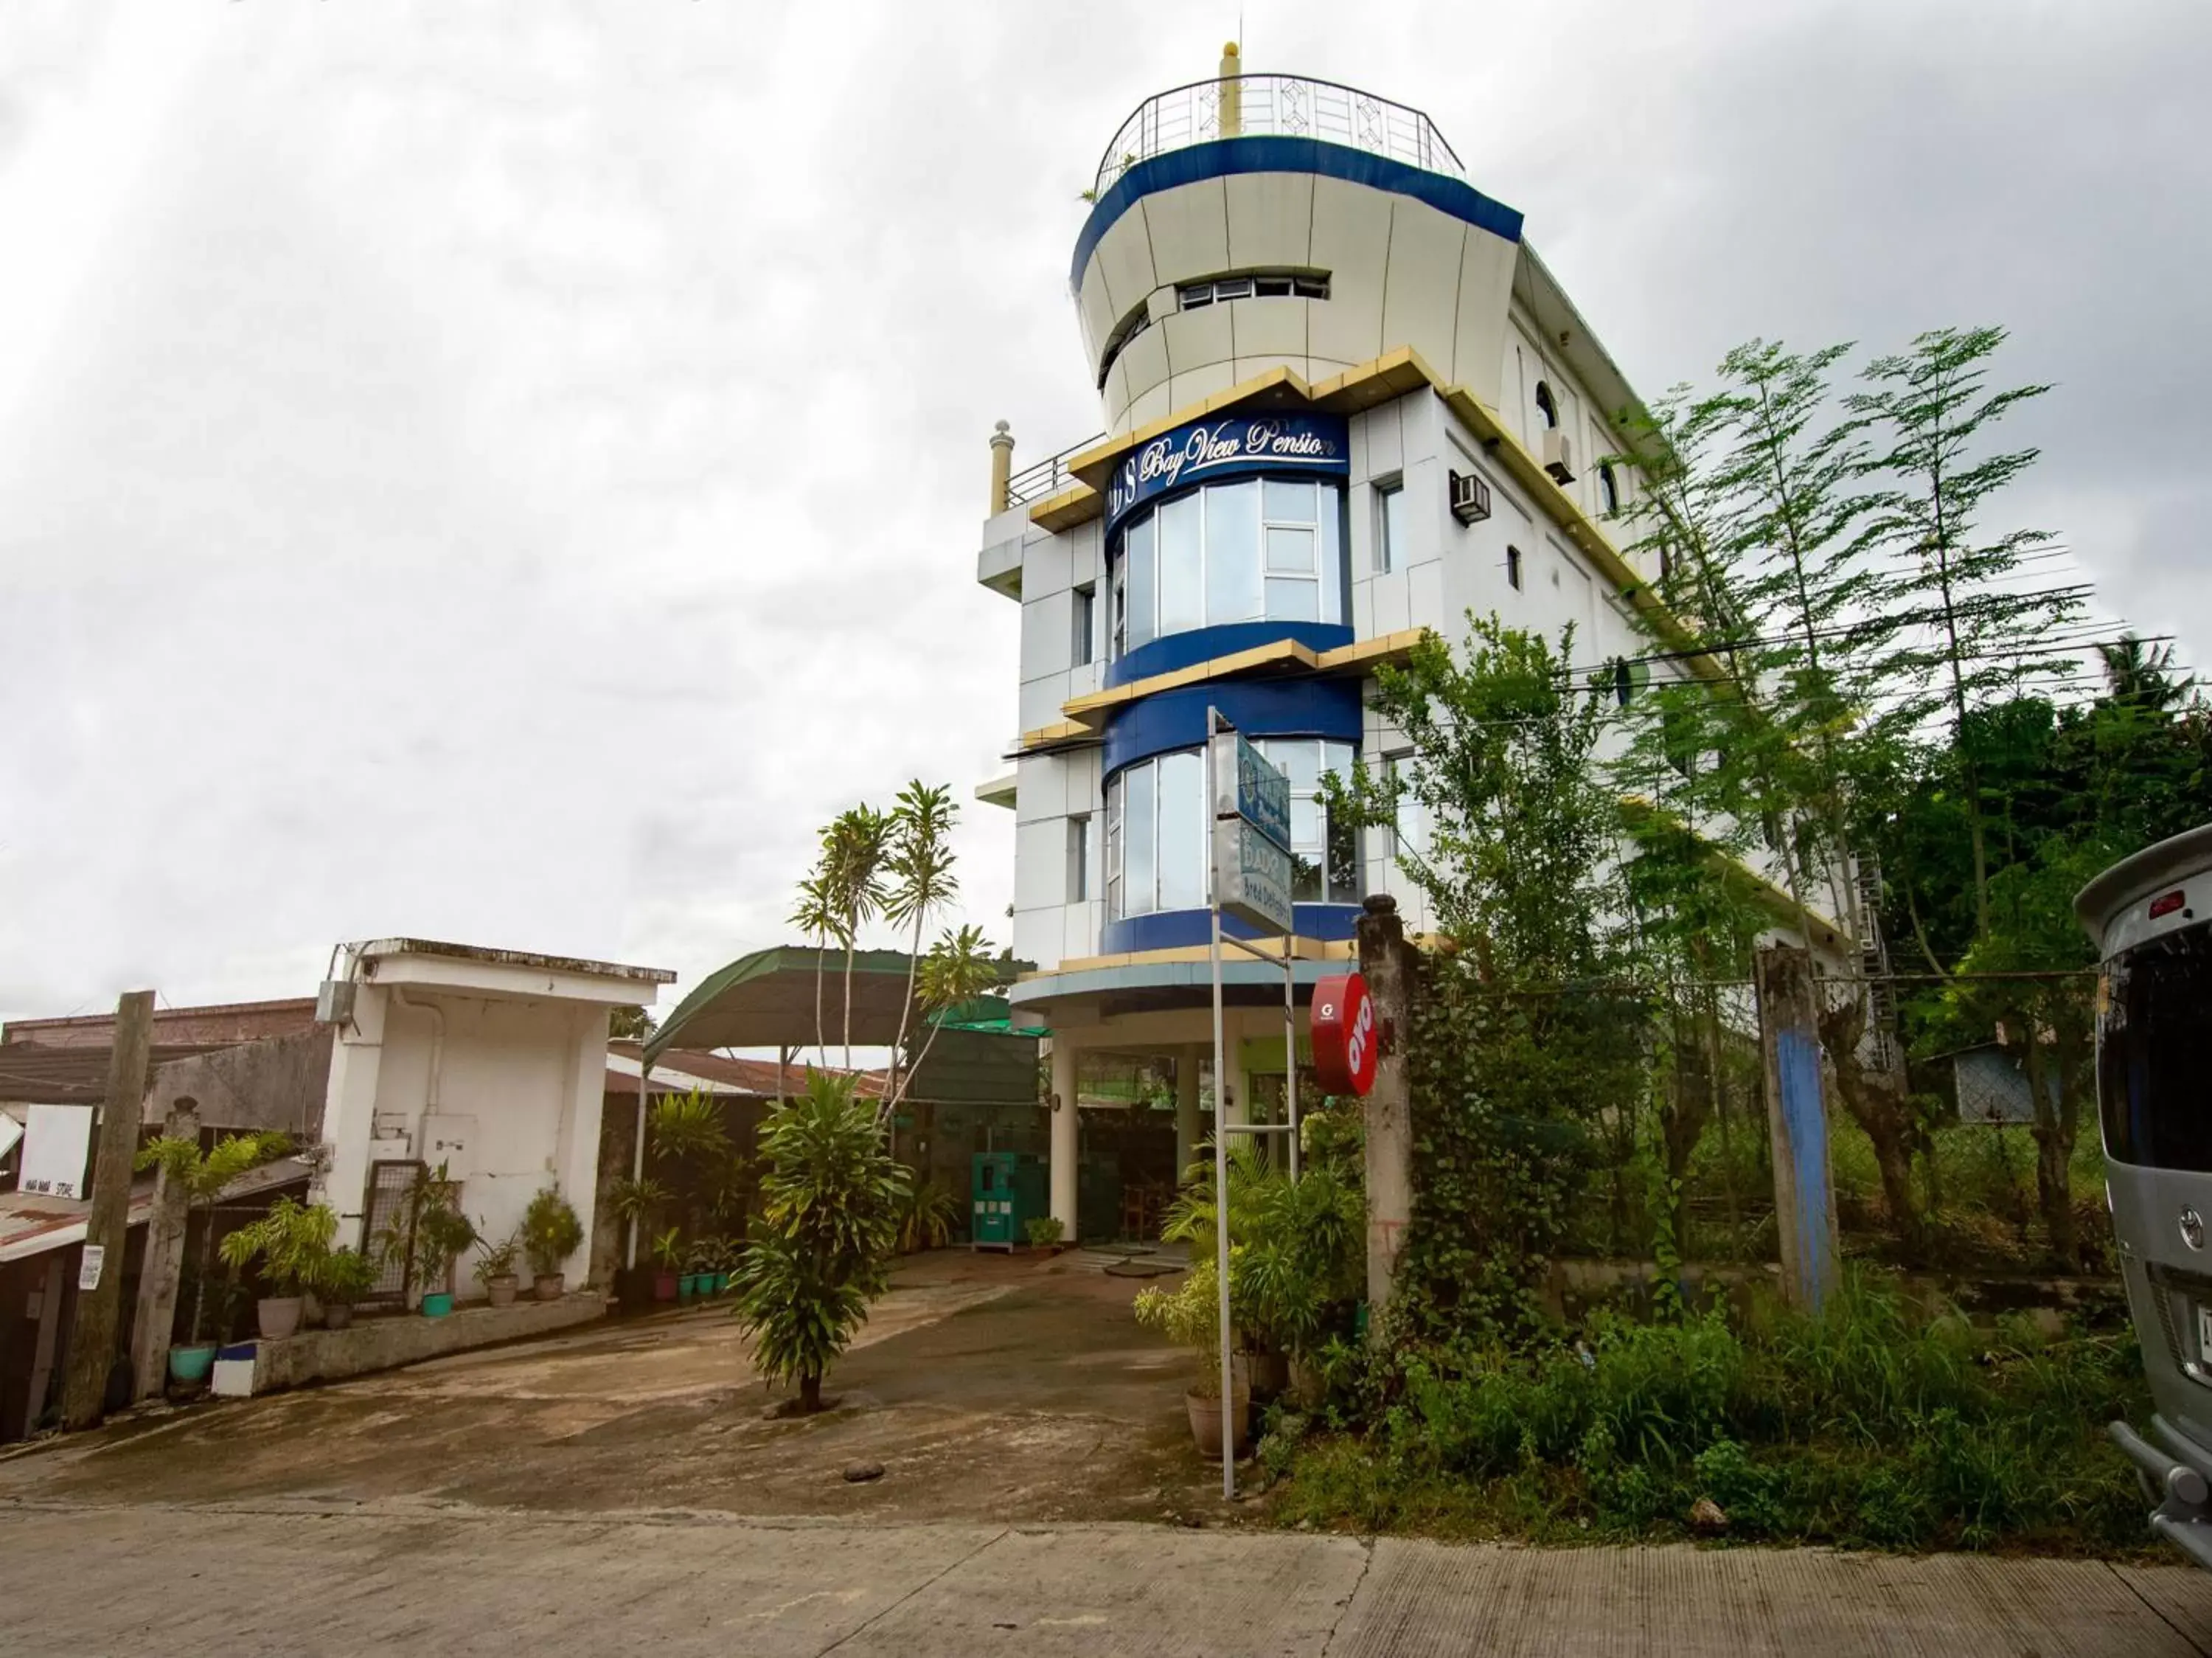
<point x="547" y="1286"/>
<point x="501" y="1289"/>
<point x="1206" y="1422"/>
<point x="665" y="1285"/>
<point x="278" y="1316"/>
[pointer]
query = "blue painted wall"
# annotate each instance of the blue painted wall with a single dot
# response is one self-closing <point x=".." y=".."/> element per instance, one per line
<point x="1170" y="930"/>
<point x="1201" y="644"/>
<point x="1259" y="708"/>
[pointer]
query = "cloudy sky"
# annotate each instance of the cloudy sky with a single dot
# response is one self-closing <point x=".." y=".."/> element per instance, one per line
<point x="505" y="471"/>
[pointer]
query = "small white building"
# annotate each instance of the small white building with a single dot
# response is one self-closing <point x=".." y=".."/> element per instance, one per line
<point x="491" y="1062"/>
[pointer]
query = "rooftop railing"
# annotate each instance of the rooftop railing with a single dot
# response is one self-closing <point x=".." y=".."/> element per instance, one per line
<point x="1048" y="477"/>
<point x="1283" y="106"/>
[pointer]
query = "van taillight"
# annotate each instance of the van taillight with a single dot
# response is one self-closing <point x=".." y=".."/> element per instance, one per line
<point x="2165" y="905"/>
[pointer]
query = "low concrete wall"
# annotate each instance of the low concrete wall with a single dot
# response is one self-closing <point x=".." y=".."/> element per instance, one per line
<point x="385" y="1344"/>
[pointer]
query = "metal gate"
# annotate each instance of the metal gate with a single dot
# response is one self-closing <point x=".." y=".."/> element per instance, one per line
<point x="383" y="1209"/>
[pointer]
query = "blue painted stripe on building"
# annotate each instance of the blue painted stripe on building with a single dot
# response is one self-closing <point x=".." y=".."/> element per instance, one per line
<point x="1268" y="153"/>
<point x="1174" y="929"/>
<point x="1259" y="708"/>
<point x="1200" y="644"/>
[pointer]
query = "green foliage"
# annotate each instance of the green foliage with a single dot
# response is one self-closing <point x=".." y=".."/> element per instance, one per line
<point x="831" y="1201"/>
<point x="1190" y="1315"/>
<point x="926" y="1218"/>
<point x="428" y="1233"/>
<point x="668" y="1250"/>
<point x="1873" y="1425"/>
<point x="344" y="1277"/>
<point x="634" y="1200"/>
<point x="1043" y="1231"/>
<point x="496" y="1260"/>
<point x="687" y="1129"/>
<point x="632" y="1024"/>
<point x="292" y="1243"/>
<point x="203" y="1174"/>
<point x="551" y="1231"/>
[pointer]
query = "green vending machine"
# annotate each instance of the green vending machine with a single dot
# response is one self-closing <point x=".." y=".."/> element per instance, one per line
<point x="1007" y="1191"/>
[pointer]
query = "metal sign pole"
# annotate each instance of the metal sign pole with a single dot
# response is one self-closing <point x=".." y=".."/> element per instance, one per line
<point x="1291" y="1051"/>
<point x="1220" y="1144"/>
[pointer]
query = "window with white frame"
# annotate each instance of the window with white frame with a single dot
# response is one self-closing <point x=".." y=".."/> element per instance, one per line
<point x="1083" y="620"/>
<point x="1409" y="828"/>
<point x="1078" y="859"/>
<point x="1260" y="549"/>
<point x="1157" y="824"/>
<point x="1389" y="525"/>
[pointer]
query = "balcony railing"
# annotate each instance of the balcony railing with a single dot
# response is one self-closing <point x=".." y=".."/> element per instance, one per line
<point x="1048" y="477"/>
<point x="1284" y="105"/>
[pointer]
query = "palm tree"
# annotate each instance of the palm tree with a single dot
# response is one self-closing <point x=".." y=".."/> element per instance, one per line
<point x="203" y="1174"/>
<point x="920" y="864"/>
<point x="814" y="915"/>
<point x="853" y="849"/>
<point x="2142" y="676"/>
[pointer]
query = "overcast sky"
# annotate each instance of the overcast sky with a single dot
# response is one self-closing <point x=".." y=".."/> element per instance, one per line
<point x="507" y="471"/>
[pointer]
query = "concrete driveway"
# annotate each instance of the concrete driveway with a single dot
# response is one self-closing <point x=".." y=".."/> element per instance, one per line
<point x="990" y="1388"/>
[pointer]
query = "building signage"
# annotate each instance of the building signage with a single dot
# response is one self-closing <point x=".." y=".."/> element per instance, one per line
<point x="88" y="1269"/>
<point x="57" y="1140"/>
<point x="1246" y="786"/>
<point x="1224" y="447"/>
<point x="1251" y="876"/>
<point x="1345" y="1043"/>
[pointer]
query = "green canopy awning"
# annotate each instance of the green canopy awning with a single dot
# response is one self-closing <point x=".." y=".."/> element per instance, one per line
<point x="767" y="1000"/>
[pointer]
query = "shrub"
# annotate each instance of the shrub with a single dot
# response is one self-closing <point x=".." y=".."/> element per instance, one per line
<point x="551" y="1231"/>
<point x="832" y="1198"/>
<point x="291" y="1242"/>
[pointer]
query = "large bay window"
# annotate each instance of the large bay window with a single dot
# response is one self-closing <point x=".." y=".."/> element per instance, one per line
<point x="1156" y="820"/>
<point x="1261" y="549"/>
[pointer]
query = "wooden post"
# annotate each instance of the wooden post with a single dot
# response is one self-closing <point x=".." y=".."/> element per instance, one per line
<point x="1385" y="964"/>
<point x="162" y="1265"/>
<point x="91" y="1343"/>
<point x="1797" y="1122"/>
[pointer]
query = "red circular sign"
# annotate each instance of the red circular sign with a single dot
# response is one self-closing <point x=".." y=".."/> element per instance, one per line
<point x="1346" y="1041"/>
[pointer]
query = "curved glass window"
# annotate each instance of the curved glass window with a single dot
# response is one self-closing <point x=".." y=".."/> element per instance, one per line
<point x="1260" y="549"/>
<point x="1156" y="822"/>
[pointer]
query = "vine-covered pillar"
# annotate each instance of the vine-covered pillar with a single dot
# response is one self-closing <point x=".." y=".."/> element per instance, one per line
<point x="1386" y="962"/>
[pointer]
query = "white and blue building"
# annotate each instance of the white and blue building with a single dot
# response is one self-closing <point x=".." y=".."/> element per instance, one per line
<point x="1344" y="402"/>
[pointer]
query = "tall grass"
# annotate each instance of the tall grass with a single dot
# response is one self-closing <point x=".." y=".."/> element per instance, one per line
<point x="1871" y="1425"/>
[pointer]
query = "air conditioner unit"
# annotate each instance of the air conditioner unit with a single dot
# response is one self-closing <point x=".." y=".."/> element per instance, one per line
<point x="1470" y="497"/>
<point x="1560" y="455"/>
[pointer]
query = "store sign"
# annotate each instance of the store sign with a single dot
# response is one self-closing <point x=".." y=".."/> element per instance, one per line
<point x="1251" y="876"/>
<point x="1346" y="1042"/>
<point x="1226" y="448"/>
<point x="56" y="1141"/>
<point x="1246" y="786"/>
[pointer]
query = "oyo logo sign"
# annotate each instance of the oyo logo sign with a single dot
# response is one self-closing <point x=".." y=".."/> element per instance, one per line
<point x="1345" y="1043"/>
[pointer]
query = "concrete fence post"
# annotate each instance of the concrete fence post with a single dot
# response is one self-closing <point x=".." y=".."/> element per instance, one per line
<point x="1386" y="963"/>
<point x="1797" y="1123"/>
<point x="162" y="1268"/>
<point x="99" y="1305"/>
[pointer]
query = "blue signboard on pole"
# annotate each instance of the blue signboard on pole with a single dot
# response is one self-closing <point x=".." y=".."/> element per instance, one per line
<point x="1251" y="835"/>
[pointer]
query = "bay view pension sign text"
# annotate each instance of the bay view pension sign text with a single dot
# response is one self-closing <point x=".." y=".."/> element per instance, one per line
<point x="1227" y="447"/>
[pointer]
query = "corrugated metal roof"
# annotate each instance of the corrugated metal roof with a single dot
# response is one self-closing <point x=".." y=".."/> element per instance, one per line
<point x="32" y="1223"/>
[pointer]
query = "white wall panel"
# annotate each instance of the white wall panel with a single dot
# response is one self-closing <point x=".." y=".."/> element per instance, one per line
<point x="1190" y="227"/>
<point x="1270" y="220"/>
<point x="1124" y="258"/>
<point x="1351" y="241"/>
<point x="1268" y="327"/>
<point x="1197" y="340"/>
<point x="1421" y="306"/>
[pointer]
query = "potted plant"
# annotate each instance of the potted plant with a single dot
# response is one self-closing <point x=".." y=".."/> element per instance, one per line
<point x="699" y="1269"/>
<point x="1044" y="1232"/>
<point x="668" y="1256"/>
<point x="1190" y="1316"/>
<point x="550" y="1233"/>
<point x="345" y="1276"/>
<point x="494" y="1269"/>
<point x="291" y="1242"/>
<point x="635" y="1203"/>
<point x="203" y="1174"/>
<point x="427" y="1235"/>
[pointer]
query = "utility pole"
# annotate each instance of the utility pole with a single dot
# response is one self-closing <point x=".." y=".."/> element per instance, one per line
<point x="1385" y="963"/>
<point x="1797" y="1123"/>
<point x="99" y="1282"/>
<point x="163" y="1261"/>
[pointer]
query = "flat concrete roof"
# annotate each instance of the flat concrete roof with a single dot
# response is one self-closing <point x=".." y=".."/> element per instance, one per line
<point x="378" y="948"/>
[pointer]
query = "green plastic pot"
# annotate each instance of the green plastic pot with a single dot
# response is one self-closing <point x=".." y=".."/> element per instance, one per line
<point x="721" y="1282"/>
<point x="191" y="1364"/>
<point x="687" y="1287"/>
<point x="437" y="1306"/>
